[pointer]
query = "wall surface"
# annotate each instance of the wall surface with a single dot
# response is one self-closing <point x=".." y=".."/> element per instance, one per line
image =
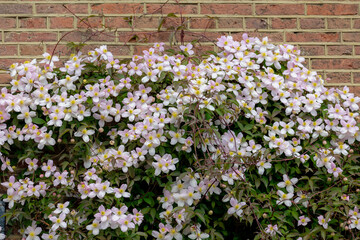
<point x="327" y="32"/>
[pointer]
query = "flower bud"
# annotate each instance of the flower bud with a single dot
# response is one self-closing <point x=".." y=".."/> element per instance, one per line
<point x="72" y="172"/>
<point x="357" y="190"/>
<point x="211" y="212"/>
<point x="41" y="175"/>
<point x="84" y="81"/>
<point x="345" y="179"/>
<point x="324" y="142"/>
<point x="112" y="142"/>
<point x="329" y="179"/>
<point x="59" y="140"/>
<point x="158" y="198"/>
<point x="54" y="194"/>
<point x="72" y="140"/>
<point x="184" y="148"/>
<point x="222" y="185"/>
<point x="101" y="130"/>
<point x="73" y="212"/>
<point x="346" y="228"/>
<point x="333" y="234"/>
<point x="265" y="215"/>
<point x="351" y="151"/>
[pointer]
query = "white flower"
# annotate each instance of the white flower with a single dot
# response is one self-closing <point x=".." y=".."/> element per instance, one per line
<point x="284" y="198"/>
<point x="288" y="183"/>
<point x="84" y="133"/>
<point x="262" y="165"/>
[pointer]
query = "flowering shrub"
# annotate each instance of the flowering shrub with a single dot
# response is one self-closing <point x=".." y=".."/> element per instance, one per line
<point x="168" y="145"/>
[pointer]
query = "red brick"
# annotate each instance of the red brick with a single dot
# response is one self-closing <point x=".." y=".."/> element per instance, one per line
<point x="30" y="36"/>
<point x="280" y="9"/>
<point x="336" y="63"/>
<point x="357" y="50"/>
<point x="172" y="8"/>
<point x="61" y="22"/>
<point x="144" y="37"/>
<point x="117" y="8"/>
<point x="116" y="22"/>
<point x="60" y="50"/>
<point x="339" y="23"/>
<point x="238" y="9"/>
<point x="6" y="23"/>
<point x="312" y="50"/>
<point x="281" y="23"/>
<point x="356" y="23"/>
<point x="120" y="50"/>
<point x="257" y="23"/>
<point x="31" y="50"/>
<point x="32" y="22"/>
<point x="273" y="37"/>
<point x="340" y="50"/>
<point x="312" y="37"/>
<point x="5" y="79"/>
<point x="230" y="23"/>
<point x="138" y="50"/>
<point x="171" y="23"/>
<point x="59" y="8"/>
<point x="208" y="23"/>
<point x="81" y="36"/>
<point x="90" y="22"/>
<point x="332" y="9"/>
<point x="351" y="36"/>
<point x="356" y="76"/>
<point x="312" y="23"/>
<point x="338" y="77"/>
<point x="8" y="50"/>
<point x="15" y="8"/>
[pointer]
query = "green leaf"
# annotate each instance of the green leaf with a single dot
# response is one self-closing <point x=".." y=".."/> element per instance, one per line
<point x="38" y="121"/>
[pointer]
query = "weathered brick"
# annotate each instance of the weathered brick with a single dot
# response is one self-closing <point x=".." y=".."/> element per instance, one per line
<point x="117" y="8"/>
<point x="356" y="23"/>
<point x="351" y="36"/>
<point x="209" y="23"/>
<point x="312" y="50"/>
<point x="280" y="9"/>
<point x="146" y="22"/>
<point x="30" y="36"/>
<point x="230" y="23"/>
<point x="171" y="8"/>
<point x="61" y="22"/>
<point x="357" y="50"/>
<point x="273" y="37"/>
<point x="356" y="77"/>
<point x="90" y="22"/>
<point x="32" y="50"/>
<point x="335" y="63"/>
<point x="60" y="8"/>
<point x="116" y="22"/>
<point x="257" y="23"/>
<point x="60" y="49"/>
<point x="338" y="77"/>
<point x="8" y="50"/>
<point x="6" y="23"/>
<point x="15" y="8"/>
<point x="4" y="79"/>
<point x="332" y="9"/>
<point x="32" y="22"/>
<point x="340" y="50"/>
<point x="238" y="9"/>
<point x="281" y="23"/>
<point x="88" y="35"/>
<point x="312" y="23"/>
<point x="312" y="37"/>
<point x="338" y="23"/>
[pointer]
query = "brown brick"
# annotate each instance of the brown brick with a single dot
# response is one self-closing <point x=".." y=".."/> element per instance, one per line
<point x="202" y="36"/>
<point x="119" y="50"/>
<point x="90" y="22"/>
<point x="117" y="8"/>
<point x="281" y="23"/>
<point x="15" y="8"/>
<point x="238" y="9"/>
<point x="172" y="23"/>
<point x="116" y="22"/>
<point x="172" y="8"/>
<point x="332" y="9"/>
<point x="6" y="23"/>
<point x="32" y="22"/>
<point x="312" y="37"/>
<point x="312" y="23"/>
<point x="59" y="8"/>
<point x="338" y="23"/>
<point x="280" y="9"/>
<point x="138" y="50"/>
<point x="312" y="50"/>
<point x="338" y="77"/>
<point x="351" y="36"/>
<point x="32" y="50"/>
<point x="230" y="23"/>
<point x="340" y="50"/>
<point x="60" y="50"/>
<point x="208" y="23"/>
<point x="30" y="36"/>
<point x="8" y="50"/>
<point x="146" y="22"/>
<point x="4" y="79"/>
<point x="61" y="22"/>
<point x="336" y="63"/>
<point x="89" y="35"/>
<point x="257" y="23"/>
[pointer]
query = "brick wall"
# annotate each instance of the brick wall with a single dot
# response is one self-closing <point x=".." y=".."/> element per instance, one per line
<point x="327" y="32"/>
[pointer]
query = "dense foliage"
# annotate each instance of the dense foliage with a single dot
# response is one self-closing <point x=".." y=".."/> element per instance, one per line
<point x="169" y="145"/>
